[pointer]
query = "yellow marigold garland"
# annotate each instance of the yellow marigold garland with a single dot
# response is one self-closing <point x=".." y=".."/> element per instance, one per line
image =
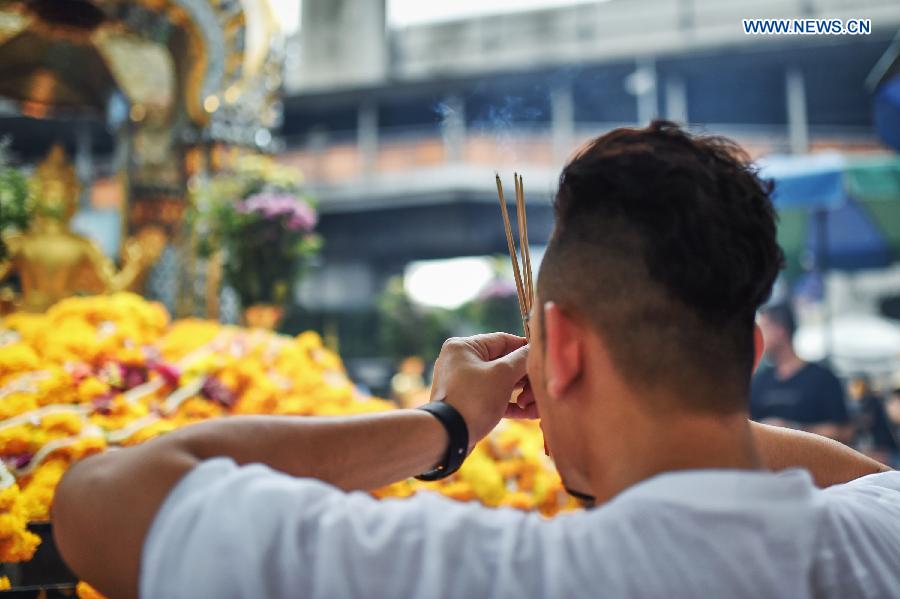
<point x="17" y="543"/>
<point x="113" y="370"/>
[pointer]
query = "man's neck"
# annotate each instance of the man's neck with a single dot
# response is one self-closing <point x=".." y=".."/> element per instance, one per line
<point x="786" y="362"/>
<point x="662" y="444"/>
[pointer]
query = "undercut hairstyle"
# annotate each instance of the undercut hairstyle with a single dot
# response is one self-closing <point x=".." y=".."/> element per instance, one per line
<point x="783" y="315"/>
<point x="665" y="244"/>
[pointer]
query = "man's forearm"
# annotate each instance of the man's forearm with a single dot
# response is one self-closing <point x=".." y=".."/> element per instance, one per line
<point x="829" y="461"/>
<point x="104" y="505"/>
<point x="353" y="453"/>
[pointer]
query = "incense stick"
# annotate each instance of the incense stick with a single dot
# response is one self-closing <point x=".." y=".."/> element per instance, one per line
<point x="520" y="290"/>
<point x="523" y="244"/>
<point x="524" y="284"/>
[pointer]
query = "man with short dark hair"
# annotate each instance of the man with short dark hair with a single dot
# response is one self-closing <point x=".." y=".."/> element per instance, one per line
<point x="791" y="392"/>
<point x="644" y="343"/>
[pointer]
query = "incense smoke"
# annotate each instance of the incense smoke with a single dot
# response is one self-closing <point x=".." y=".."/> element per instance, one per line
<point x="498" y="120"/>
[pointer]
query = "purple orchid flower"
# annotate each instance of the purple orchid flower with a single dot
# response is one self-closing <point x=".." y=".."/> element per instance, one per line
<point x="298" y="215"/>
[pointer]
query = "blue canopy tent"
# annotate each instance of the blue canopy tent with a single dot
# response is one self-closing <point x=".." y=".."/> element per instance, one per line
<point x="884" y="85"/>
<point x="886" y="112"/>
<point x="836" y="213"/>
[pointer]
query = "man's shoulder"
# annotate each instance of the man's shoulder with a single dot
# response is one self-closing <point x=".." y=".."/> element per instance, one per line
<point x="859" y="541"/>
<point x="866" y="504"/>
<point x="819" y="372"/>
<point x="879" y="482"/>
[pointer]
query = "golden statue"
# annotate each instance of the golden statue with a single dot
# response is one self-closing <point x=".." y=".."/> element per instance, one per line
<point x="408" y="385"/>
<point x="52" y="261"/>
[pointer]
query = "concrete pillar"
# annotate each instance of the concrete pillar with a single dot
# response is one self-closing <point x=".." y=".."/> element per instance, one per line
<point x="798" y="124"/>
<point x="367" y="135"/>
<point x="686" y="18"/>
<point x="642" y="85"/>
<point x="342" y="43"/>
<point x="562" y="120"/>
<point x="676" y="99"/>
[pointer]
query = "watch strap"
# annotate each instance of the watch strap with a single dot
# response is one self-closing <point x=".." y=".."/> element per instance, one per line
<point x="458" y="435"/>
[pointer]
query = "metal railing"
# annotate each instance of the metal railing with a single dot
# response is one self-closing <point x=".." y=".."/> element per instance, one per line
<point x="330" y="162"/>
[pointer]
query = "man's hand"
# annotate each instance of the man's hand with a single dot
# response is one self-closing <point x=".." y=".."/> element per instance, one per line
<point x="477" y="376"/>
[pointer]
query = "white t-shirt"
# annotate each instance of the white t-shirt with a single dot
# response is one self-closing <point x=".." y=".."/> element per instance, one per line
<point x="229" y="531"/>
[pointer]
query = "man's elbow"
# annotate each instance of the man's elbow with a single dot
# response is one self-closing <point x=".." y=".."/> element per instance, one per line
<point x="104" y="506"/>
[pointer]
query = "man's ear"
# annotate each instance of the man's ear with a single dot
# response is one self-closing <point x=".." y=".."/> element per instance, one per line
<point x="758" y="346"/>
<point x="562" y="343"/>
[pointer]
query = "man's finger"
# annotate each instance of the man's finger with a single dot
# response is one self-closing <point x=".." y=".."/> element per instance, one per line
<point x="517" y="361"/>
<point x="529" y="412"/>
<point x="526" y="397"/>
<point x="491" y="346"/>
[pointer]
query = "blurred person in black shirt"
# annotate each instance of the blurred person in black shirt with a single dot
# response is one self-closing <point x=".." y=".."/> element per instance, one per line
<point x="792" y="393"/>
<point x="874" y="431"/>
<point x="892" y="407"/>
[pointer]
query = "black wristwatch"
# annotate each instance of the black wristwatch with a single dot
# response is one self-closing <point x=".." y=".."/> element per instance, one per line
<point x="457" y="432"/>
